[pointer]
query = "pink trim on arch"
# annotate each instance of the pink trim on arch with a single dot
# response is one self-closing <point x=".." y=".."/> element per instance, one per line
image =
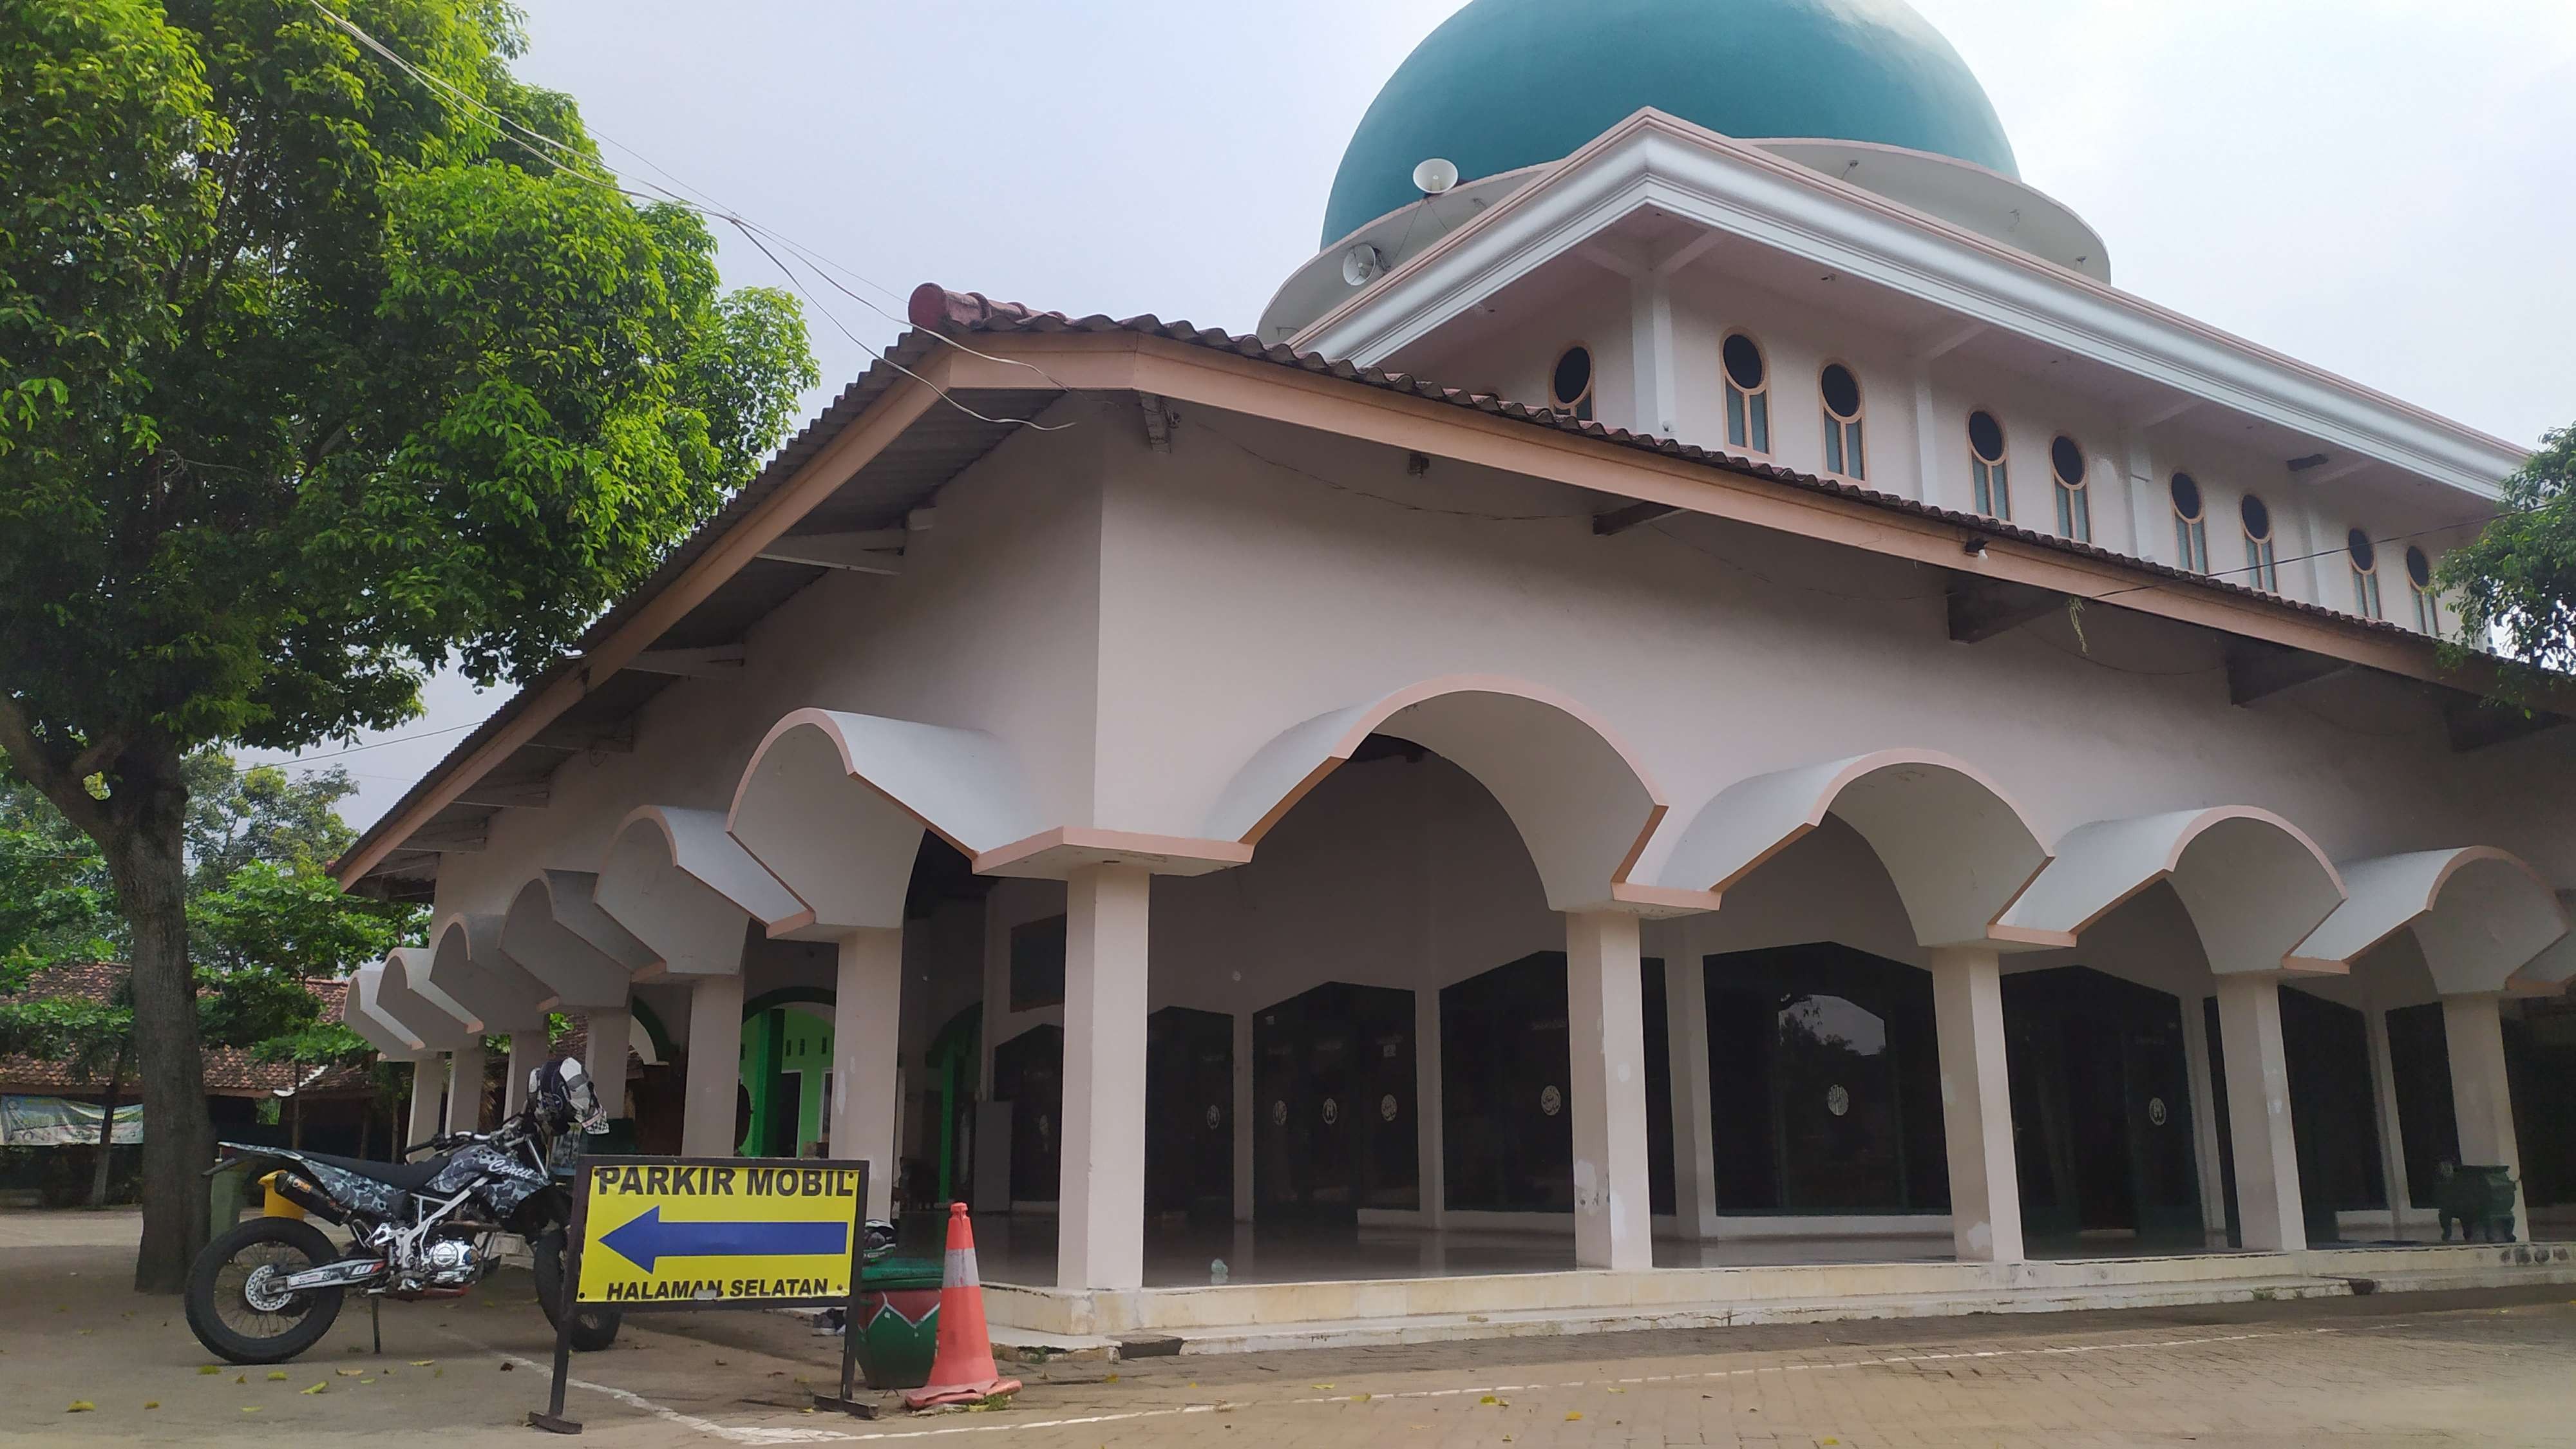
<point x="817" y="718"/>
<point x="2202" y="824"/>
<point x="1390" y="705"/>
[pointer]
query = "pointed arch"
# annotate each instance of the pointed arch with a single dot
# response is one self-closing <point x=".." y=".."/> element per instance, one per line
<point x="556" y="932"/>
<point x="2479" y="913"/>
<point x="2254" y="884"/>
<point x="466" y="963"/>
<point x="833" y="804"/>
<point x="419" y="1010"/>
<point x="1957" y="847"/>
<point x="688" y="891"/>
<point x="1582" y="801"/>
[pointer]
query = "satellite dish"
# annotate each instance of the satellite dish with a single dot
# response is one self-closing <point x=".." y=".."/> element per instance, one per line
<point x="1362" y="265"/>
<point x="1435" y="176"/>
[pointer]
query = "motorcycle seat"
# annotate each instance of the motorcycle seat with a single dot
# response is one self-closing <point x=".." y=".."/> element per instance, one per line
<point x="409" y="1176"/>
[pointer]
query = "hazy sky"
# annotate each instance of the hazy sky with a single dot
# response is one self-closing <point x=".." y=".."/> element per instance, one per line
<point x="2385" y="188"/>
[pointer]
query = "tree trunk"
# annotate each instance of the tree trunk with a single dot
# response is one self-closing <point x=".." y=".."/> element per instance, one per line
<point x="146" y="858"/>
<point x="107" y="1125"/>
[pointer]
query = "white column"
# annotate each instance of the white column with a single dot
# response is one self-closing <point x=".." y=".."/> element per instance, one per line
<point x="465" y="1089"/>
<point x="428" y="1084"/>
<point x="1694" y="1108"/>
<point x="611" y="1030"/>
<point x="1928" y="439"/>
<point x="715" y="1067"/>
<point x="1606" y="1035"/>
<point x="2480" y="1097"/>
<point x="2258" y="1114"/>
<point x="527" y="1053"/>
<point x="1976" y="1104"/>
<point x="2204" y="1121"/>
<point x="867" y="1034"/>
<point x="2392" y="1142"/>
<point x="1100" y="1241"/>
<point x="1650" y="303"/>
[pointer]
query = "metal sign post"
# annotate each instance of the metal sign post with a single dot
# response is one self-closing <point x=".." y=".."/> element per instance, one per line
<point x="660" y="1233"/>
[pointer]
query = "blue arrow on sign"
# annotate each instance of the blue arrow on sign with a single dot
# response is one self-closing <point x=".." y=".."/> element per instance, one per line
<point x="647" y="1239"/>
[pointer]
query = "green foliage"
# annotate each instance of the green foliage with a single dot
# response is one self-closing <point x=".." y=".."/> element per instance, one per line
<point x="2519" y="577"/>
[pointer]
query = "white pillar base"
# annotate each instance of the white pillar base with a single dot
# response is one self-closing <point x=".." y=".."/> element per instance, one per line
<point x="1606" y="1035"/>
<point x="428" y="1088"/>
<point x="528" y="1050"/>
<point x="867" y="1027"/>
<point x="715" y="1067"/>
<point x="2481" y="1098"/>
<point x="1976" y="1104"/>
<point x="1694" y="1096"/>
<point x="1100" y="1239"/>
<point x="465" y="1089"/>
<point x="2269" y="1215"/>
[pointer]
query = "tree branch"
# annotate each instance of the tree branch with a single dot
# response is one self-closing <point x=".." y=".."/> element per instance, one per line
<point x="59" y="781"/>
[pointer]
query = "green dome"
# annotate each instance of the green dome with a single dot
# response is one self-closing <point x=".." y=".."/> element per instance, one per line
<point x="1511" y="83"/>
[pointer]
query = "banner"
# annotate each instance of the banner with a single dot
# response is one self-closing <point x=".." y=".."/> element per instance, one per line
<point x="57" y="1122"/>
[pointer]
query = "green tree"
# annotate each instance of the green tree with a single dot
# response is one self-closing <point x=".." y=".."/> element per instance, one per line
<point x="313" y="378"/>
<point x="2517" y="582"/>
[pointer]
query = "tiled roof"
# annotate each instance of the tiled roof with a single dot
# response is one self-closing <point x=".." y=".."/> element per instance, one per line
<point x="230" y="1071"/>
<point x="934" y="308"/>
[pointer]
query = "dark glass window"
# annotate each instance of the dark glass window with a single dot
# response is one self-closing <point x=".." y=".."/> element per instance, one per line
<point x="2186" y="496"/>
<point x="2258" y="517"/>
<point x="2419" y="568"/>
<point x="1743" y="362"/>
<point x="2365" y="557"/>
<point x="1986" y="436"/>
<point x="2428" y="1129"/>
<point x="1825" y="1083"/>
<point x="1842" y="392"/>
<point x="1572" y="382"/>
<point x="1037" y="964"/>
<point x="1507" y="1140"/>
<point x="1028" y="1073"/>
<point x="2069" y="460"/>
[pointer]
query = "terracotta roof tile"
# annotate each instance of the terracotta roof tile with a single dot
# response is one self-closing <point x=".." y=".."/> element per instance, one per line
<point x="229" y="1071"/>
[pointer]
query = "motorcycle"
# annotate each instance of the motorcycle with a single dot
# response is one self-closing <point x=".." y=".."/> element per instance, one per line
<point x="268" y="1289"/>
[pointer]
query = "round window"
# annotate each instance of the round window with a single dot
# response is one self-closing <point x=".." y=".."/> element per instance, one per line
<point x="1986" y="437"/>
<point x="2365" y="555"/>
<point x="1842" y="392"/>
<point x="2258" y="519"/>
<point x="2419" y="568"/>
<point x="2186" y="497"/>
<point x="1573" y="376"/>
<point x="1744" y="362"/>
<point x="2068" y="459"/>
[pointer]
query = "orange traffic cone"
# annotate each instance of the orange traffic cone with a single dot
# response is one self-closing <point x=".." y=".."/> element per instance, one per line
<point x="963" y="1372"/>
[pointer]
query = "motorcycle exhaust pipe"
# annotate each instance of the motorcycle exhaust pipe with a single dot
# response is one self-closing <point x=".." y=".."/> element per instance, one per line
<point x="300" y="1196"/>
<point x="345" y="1273"/>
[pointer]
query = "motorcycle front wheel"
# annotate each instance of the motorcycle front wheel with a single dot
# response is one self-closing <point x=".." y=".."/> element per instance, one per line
<point x="236" y="1308"/>
<point x="592" y="1328"/>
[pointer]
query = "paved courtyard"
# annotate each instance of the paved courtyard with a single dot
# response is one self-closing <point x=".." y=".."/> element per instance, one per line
<point x="2482" y="1368"/>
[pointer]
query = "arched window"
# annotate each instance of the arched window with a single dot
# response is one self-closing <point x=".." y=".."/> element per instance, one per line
<point x="2074" y="510"/>
<point x="1841" y="393"/>
<point x="1570" y="386"/>
<point x="2365" y="573"/>
<point x="1748" y="394"/>
<point x="2191" y="526"/>
<point x="2419" y="582"/>
<point x="1986" y="466"/>
<point x="2260" y="570"/>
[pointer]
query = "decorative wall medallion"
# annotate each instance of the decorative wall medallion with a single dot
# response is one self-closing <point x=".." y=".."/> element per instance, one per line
<point x="1278" y="1114"/>
<point x="1332" y="1111"/>
<point x="2156" y="1113"/>
<point x="1386" y="1107"/>
<point x="1837" y="1100"/>
<point x="1551" y="1101"/>
<point x="1214" y="1117"/>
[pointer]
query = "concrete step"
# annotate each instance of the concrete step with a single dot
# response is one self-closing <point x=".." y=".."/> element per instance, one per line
<point x="1435" y="1328"/>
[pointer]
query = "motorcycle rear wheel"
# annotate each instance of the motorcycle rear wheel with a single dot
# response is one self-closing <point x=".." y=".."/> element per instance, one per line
<point x="234" y="1310"/>
<point x="592" y="1328"/>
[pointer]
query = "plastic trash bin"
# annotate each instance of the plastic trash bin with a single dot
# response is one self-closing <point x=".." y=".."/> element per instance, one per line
<point x="897" y="1328"/>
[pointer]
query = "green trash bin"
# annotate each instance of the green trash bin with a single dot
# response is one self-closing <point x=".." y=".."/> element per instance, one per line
<point x="896" y="1333"/>
<point x="227" y="1192"/>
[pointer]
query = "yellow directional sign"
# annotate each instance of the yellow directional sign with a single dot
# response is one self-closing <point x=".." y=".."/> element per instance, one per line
<point x="737" y="1231"/>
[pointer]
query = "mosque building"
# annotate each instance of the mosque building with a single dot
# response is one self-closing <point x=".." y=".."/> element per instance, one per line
<point x="1704" y="714"/>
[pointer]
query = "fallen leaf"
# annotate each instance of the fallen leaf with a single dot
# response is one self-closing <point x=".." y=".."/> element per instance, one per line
<point x="276" y="1373"/>
<point x="241" y="1378"/>
<point x="422" y="1362"/>
<point x="509" y="1367"/>
<point x="366" y="1381"/>
<point x="438" y="1373"/>
<point x="1319" y="1386"/>
<point x="151" y="1403"/>
<point x="80" y="1406"/>
<point x="1359" y="1398"/>
<point x="250" y="1408"/>
<point x="348" y="1373"/>
<point x="207" y="1368"/>
<point x="1573" y="1414"/>
<point x="1489" y="1399"/>
<point x="317" y="1388"/>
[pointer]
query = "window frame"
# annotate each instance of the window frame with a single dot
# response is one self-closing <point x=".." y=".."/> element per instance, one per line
<point x="1748" y="411"/>
<point x="2074" y="503"/>
<point x="1580" y="406"/>
<point x="2365" y="581"/>
<point x="1846" y="446"/>
<point x="1990" y="480"/>
<point x="2191" y="530"/>
<point x="2428" y="599"/>
<point x="2262" y="554"/>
